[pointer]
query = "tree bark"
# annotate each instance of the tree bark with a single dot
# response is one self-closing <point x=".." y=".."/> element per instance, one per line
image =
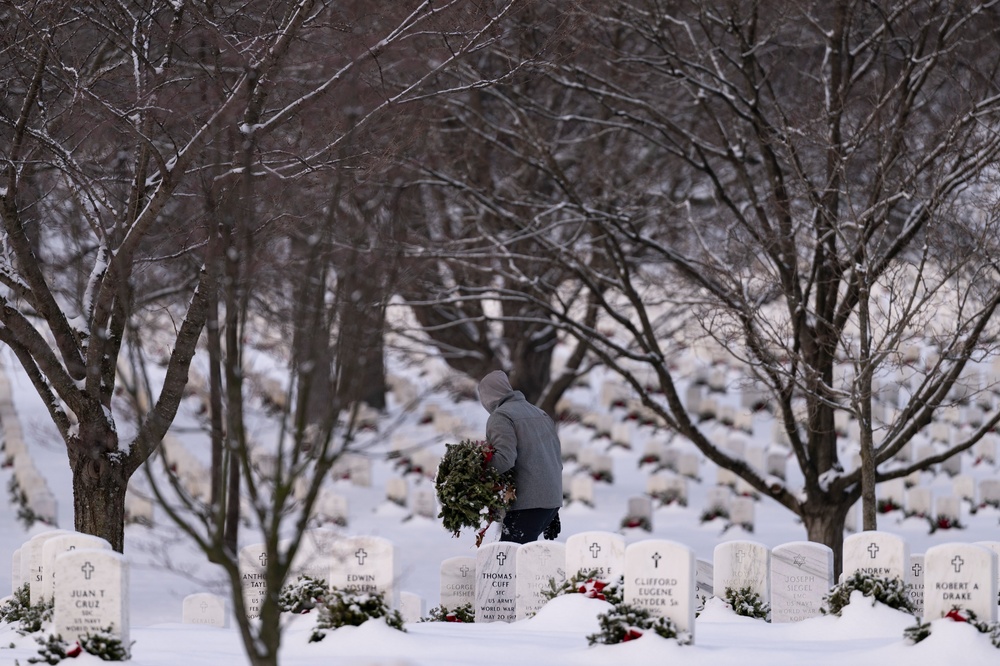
<point x="99" y="500"/>
<point x="824" y="523"/>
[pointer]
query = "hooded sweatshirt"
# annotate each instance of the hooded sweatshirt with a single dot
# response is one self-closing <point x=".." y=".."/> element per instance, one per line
<point x="524" y="438"/>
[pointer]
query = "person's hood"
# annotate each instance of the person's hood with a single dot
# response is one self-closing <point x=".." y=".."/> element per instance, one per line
<point x="493" y="388"/>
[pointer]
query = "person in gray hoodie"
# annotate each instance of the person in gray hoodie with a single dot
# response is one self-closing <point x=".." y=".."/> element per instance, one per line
<point x="524" y="439"/>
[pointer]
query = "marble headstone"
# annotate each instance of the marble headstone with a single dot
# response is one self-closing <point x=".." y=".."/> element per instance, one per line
<point x="962" y="575"/>
<point x="496" y="582"/>
<point x="801" y="576"/>
<point x="365" y="564"/>
<point x="660" y="577"/>
<point x="61" y="544"/>
<point x="742" y="564"/>
<point x="458" y="582"/>
<point x="252" y="563"/>
<point x="601" y="554"/>
<point x="91" y="594"/>
<point x="204" y="608"/>
<point x="878" y="553"/>
<point x="538" y="563"/>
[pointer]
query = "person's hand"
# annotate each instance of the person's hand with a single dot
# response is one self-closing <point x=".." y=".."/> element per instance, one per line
<point x="553" y="528"/>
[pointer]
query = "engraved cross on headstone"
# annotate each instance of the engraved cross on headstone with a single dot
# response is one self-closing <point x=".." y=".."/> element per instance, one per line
<point x="595" y="549"/>
<point x="501" y="556"/>
<point x="656" y="557"/>
<point x="361" y="555"/>
<point x="87" y="569"/>
<point x="204" y="606"/>
<point x="465" y="570"/>
<point x="740" y="554"/>
<point x="917" y="569"/>
<point x="957" y="562"/>
<point x="873" y="549"/>
<point x="263" y="559"/>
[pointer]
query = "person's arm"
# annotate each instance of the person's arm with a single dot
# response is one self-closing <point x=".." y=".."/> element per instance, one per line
<point x="500" y="433"/>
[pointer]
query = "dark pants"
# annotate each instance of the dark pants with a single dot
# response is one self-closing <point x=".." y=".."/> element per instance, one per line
<point x="526" y="524"/>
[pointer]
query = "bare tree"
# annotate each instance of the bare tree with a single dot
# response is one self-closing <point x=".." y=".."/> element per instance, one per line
<point x="808" y="184"/>
<point x="114" y="120"/>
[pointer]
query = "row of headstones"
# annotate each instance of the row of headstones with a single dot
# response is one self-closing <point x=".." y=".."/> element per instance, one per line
<point x="38" y="497"/>
<point x="85" y="579"/>
<point x="507" y="581"/>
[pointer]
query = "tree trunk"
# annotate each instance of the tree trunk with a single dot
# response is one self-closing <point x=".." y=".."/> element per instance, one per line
<point x="99" y="500"/>
<point x="824" y="523"/>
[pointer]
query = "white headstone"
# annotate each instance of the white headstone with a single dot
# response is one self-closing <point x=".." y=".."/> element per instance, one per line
<point x="947" y="511"/>
<point x="538" y="563"/>
<point x="62" y="544"/>
<point x="801" y="576"/>
<point x="915" y="583"/>
<point x="876" y="553"/>
<point x="668" y="488"/>
<point x="458" y="582"/>
<point x="601" y="554"/>
<point x="313" y="555"/>
<point x="919" y="501"/>
<point x="962" y="575"/>
<point x="425" y="502"/>
<point x="362" y="564"/>
<point x="581" y="489"/>
<point x="742" y="564"/>
<point x="964" y="487"/>
<point x="396" y="490"/>
<point x="204" y="608"/>
<point x="688" y="464"/>
<point x="660" y="577"/>
<point x="331" y="507"/>
<point x="496" y="582"/>
<point x="989" y="492"/>
<point x="252" y="563"/>
<point x="892" y="494"/>
<point x="91" y="594"/>
<point x="32" y="567"/>
<point x="411" y="606"/>
<point x="741" y="512"/>
<point x="717" y="498"/>
<point x="640" y="513"/>
<point x="777" y="463"/>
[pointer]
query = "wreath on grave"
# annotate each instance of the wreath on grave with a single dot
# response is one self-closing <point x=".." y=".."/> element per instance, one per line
<point x="471" y="493"/>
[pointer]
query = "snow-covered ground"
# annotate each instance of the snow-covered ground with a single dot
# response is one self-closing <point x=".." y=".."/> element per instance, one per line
<point x="164" y="567"/>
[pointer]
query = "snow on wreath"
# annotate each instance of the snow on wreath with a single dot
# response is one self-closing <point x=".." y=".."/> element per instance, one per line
<point x="471" y="493"/>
